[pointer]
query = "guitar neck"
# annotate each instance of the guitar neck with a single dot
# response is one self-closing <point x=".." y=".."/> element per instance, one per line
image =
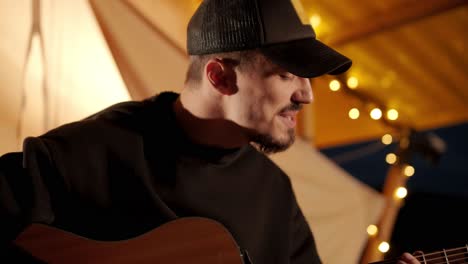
<point x="446" y="256"/>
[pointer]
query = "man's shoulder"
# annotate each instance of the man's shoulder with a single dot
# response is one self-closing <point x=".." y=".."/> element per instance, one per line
<point x="123" y="111"/>
<point x="118" y="129"/>
<point x="131" y="116"/>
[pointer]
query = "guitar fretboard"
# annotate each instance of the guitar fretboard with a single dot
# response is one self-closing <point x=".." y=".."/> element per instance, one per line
<point x="445" y="256"/>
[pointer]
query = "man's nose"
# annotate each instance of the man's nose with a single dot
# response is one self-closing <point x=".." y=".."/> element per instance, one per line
<point x="303" y="93"/>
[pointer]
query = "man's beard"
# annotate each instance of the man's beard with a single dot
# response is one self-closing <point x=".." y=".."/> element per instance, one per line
<point x="268" y="145"/>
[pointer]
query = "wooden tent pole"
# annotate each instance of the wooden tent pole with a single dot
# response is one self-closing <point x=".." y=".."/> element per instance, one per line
<point x="395" y="178"/>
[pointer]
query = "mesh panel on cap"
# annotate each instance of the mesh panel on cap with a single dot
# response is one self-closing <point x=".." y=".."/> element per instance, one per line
<point x="224" y="25"/>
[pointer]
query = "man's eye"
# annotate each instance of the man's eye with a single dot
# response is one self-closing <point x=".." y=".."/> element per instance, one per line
<point x="286" y="76"/>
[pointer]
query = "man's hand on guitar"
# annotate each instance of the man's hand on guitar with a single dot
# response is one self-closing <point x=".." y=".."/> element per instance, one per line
<point x="407" y="258"/>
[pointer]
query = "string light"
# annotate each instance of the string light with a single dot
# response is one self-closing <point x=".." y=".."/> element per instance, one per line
<point x="387" y="139"/>
<point x="372" y="230"/>
<point x="352" y="82"/>
<point x="391" y="158"/>
<point x="353" y="113"/>
<point x="335" y="85"/>
<point x="401" y="192"/>
<point x="315" y="20"/>
<point x="384" y="247"/>
<point x="392" y="114"/>
<point x="376" y="113"/>
<point x="408" y="170"/>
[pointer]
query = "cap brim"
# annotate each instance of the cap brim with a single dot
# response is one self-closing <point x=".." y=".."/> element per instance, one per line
<point x="307" y="58"/>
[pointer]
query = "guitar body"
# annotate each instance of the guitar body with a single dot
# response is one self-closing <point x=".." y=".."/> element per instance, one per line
<point x="191" y="240"/>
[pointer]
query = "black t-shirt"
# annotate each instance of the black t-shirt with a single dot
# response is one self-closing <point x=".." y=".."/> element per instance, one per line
<point x="129" y="169"/>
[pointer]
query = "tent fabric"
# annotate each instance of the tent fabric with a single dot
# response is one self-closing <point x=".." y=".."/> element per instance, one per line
<point x="148" y="61"/>
<point x="81" y="75"/>
<point x="96" y="55"/>
<point x="338" y="207"/>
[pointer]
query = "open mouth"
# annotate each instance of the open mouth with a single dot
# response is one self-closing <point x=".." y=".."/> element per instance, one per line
<point x="289" y="118"/>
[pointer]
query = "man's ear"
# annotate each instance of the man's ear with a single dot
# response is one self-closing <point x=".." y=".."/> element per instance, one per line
<point x="221" y="76"/>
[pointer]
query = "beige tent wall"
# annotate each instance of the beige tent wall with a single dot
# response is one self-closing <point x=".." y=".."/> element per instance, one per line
<point x="148" y="60"/>
<point x="81" y="75"/>
<point x="337" y="206"/>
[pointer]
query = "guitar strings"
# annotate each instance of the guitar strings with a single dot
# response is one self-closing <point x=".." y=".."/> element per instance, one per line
<point x="392" y="261"/>
<point x="421" y="258"/>
<point x="444" y="260"/>
<point x="452" y="261"/>
<point x="447" y="250"/>
<point x="423" y="261"/>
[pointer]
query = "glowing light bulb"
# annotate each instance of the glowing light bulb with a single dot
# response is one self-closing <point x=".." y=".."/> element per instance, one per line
<point x="372" y="230"/>
<point x="384" y="247"/>
<point x="392" y="114"/>
<point x="315" y="20"/>
<point x="408" y="170"/>
<point x="387" y="139"/>
<point x="335" y="85"/>
<point x="401" y="192"/>
<point x="352" y="82"/>
<point x="376" y="113"/>
<point x="391" y="158"/>
<point x="353" y="113"/>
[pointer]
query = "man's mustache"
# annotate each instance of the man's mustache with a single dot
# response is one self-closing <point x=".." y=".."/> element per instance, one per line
<point x="292" y="107"/>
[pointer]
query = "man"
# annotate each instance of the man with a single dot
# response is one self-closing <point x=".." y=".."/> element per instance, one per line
<point x="137" y="165"/>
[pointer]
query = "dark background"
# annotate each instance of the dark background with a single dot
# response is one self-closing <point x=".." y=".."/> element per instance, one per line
<point x="432" y="217"/>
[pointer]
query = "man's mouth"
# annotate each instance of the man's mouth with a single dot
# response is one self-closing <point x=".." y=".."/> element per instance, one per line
<point x="289" y="118"/>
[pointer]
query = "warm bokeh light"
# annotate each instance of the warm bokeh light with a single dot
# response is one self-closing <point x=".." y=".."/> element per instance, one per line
<point x="387" y="139"/>
<point x="353" y="113"/>
<point x="372" y="230"/>
<point x="384" y="247"/>
<point x="335" y="85"/>
<point x="401" y="192"/>
<point x="376" y="113"/>
<point x="352" y="82"/>
<point x="391" y="158"/>
<point x="392" y="114"/>
<point x="408" y="170"/>
<point x="315" y="20"/>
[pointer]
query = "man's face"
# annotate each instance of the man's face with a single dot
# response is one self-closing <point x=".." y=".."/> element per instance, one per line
<point x="267" y="103"/>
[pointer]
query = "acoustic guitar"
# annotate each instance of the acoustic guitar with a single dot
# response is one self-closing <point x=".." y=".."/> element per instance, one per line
<point x="190" y="240"/>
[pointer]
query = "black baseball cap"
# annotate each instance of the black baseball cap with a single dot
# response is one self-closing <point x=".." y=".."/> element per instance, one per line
<point x="271" y="26"/>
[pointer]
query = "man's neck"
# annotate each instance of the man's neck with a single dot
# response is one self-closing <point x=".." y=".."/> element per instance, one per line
<point x="203" y="124"/>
